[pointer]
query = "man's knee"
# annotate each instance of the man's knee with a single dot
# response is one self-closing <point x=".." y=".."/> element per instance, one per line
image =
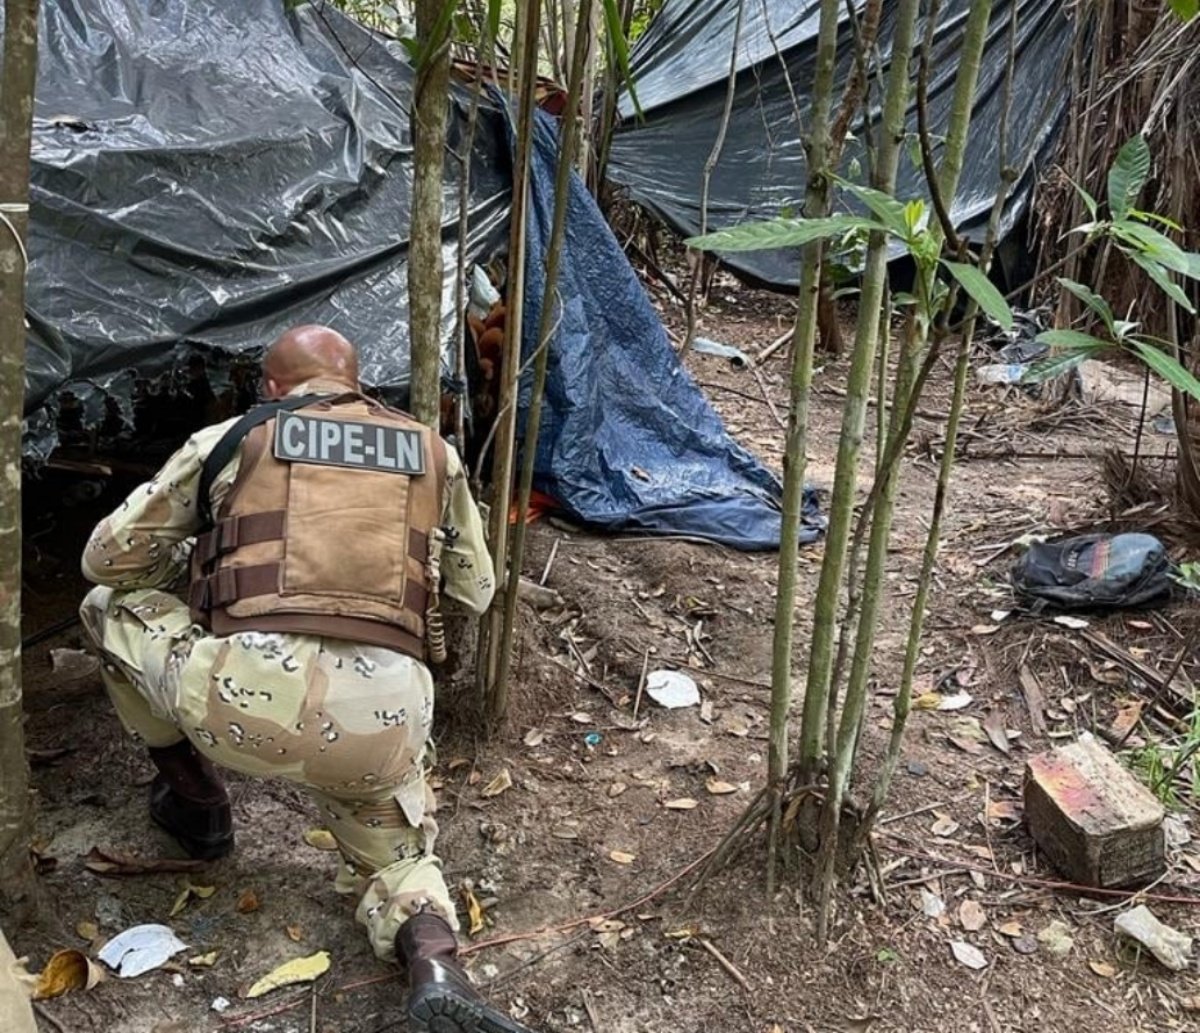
<point x="94" y="610"/>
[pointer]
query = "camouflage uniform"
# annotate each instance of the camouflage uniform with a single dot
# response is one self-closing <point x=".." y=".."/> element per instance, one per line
<point x="348" y="722"/>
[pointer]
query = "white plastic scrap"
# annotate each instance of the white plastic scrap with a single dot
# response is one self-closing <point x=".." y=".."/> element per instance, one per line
<point x="140" y="949"/>
<point x="672" y="689"/>
<point x="1170" y="946"/>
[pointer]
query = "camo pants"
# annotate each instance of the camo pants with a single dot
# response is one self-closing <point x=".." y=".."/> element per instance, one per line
<point x="348" y="723"/>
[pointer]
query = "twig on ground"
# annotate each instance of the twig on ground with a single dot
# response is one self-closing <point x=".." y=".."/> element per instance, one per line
<point x="591" y="1011"/>
<point x="725" y="963"/>
<point x="1036" y="883"/>
<point x="550" y="561"/>
<point x="52" y="1019"/>
<point x="637" y="703"/>
<point x="762" y="384"/>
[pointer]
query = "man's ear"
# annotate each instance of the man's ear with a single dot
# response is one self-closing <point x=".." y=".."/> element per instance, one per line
<point x="271" y="388"/>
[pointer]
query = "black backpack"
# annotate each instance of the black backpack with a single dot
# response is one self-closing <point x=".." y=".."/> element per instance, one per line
<point x="1096" y="572"/>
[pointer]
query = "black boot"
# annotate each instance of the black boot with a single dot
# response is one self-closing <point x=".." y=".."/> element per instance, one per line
<point x="188" y="801"/>
<point x="441" y="998"/>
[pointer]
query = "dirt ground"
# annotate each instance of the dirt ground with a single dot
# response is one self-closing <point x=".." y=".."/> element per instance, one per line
<point x="585" y="829"/>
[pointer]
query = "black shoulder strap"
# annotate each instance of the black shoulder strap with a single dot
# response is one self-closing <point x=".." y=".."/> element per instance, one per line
<point x="231" y="440"/>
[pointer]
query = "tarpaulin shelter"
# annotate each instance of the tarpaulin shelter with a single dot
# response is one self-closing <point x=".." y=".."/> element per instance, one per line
<point x="206" y="174"/>
<point x="680" y="67"/>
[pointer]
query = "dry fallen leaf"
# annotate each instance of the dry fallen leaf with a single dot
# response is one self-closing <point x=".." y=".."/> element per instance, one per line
<point x="474" y="910"/>
<point x="684" y="803"/>
<point x="968" y="954"/>
<point x="294" y="933"/>
<point x="617" y="788"/>
<point x="322" y="839"/>
<point x="1011" y="929"/>
<point x="719" y="788"/>
<point x="498" y="784"/>
<point x="621" y="857"/>
<point x="534" y="737"/>
<point x="299" y="970"/>
<point x="204" y="960"/>
<point x="944" y="827"/>
<point x="971" y="916"/>
<point x="247" y="902"/>
<point x="65" y="971"/>
<point x="581" y="718"/>
<point x="1005" y="810"/>
<point x="187" y="893"/>
<point x="87" y="930"/>
<point x="1103" y="969"/>
<point x="993" y="725"/>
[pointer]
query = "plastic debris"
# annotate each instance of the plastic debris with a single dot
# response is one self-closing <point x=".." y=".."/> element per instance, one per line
<point x="1094" y="571"/>
<point x="220" y="1004"/>
<point x="672" y="689"/>
<point x="737" y="358"/>
<point x="65" y="971"/>
<point x="140" y="949"/>
<point x="1169" y="946"/>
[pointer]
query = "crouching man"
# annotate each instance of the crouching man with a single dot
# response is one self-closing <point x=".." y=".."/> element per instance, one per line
<point x="320" y="521"/>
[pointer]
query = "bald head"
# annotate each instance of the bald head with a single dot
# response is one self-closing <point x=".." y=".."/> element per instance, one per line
<point x="308" y="353"/>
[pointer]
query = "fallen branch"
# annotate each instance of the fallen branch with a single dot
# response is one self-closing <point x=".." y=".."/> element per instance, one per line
<point x="725" y="963"/>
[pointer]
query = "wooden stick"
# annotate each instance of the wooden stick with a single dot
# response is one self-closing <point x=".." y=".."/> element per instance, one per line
<point x="725" y="963"/>
<point x="550" y="561"/>
<point x="641" y="683"/>
<point x="774" y="346"/>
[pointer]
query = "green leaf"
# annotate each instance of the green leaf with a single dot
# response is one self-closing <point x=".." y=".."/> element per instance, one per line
<point x="1128" y="175"/>
<point x="1088" y="201"/>
<point x="1161" y="277"/>
<point x="780" y="233"/>
<point x="1055" y="366"/>
<point x="887" y="209"/>
<point x="1072" y="339"/>
<point x="620" y="49"/>
<point x="982" y="291"/>
<point x="1162" y="220"/>
<point x="1154" y="245"/>
<point x="914" y="216"/>
<point x="1167" y="368"/>
<point x="493" y="19"/>
<point x="1185" y="10"/>
<point x="1092" y="300"/>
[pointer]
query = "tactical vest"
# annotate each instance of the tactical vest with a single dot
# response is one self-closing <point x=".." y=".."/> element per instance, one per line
<point x="326" y="528"/>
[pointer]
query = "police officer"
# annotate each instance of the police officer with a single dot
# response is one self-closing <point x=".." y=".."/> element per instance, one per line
<point x="309" y="534"/>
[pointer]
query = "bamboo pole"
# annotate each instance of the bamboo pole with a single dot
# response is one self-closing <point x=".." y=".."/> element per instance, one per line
<point x="546" y="324"/>
<point x="841" y="762"/>
<point x="803" y="340"/>
<point x="858" y="389"/>
<point x="491" y="641"/>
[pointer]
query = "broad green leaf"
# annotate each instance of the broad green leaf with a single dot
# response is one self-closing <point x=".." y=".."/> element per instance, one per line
<point x="620" y="49"/>
<point x="1162" y="220"/>
<point x="780" y="233"/>
<point x="887" y="209"/>
<point x="1167" y="368"/>
<point x="493" y="19"/>
<point x="914" y="215"/>
<point x="1153" y="244"/>
<point x="975" y="282"/>
<point x="1161" y="277"/>
<point x="1185" y="10"/>
<point x="1088" y="201"/>
<point x="1075" y="340"/>
<point x="1128" y="175"/>
<point x="1092" y="300"/>
<point x="1055" y="366"/>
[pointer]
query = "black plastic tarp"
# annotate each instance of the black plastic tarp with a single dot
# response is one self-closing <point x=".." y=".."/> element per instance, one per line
<point x="208" y="173"/>
<point x="680" y="68"/>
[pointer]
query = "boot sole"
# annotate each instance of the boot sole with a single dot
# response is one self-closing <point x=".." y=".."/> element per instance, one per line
<point x="441" y="1010"/>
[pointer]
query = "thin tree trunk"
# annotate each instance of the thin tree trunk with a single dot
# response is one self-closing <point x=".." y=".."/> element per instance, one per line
<point x="842" y="762"/>
<point x="17" y="79"/>
<point x="492" y="641"/>
<point x="533" y="418"/>
<point x="697" y="258"/>
<point x="803" y="338"/>
<point x="584" y="153"/>
<point x="858" y="389"/>
<point x="425" y="267"/>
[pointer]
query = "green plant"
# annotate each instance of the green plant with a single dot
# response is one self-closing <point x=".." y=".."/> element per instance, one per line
<point x="1129" y="230"/>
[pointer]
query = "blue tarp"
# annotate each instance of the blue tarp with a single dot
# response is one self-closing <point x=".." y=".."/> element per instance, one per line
<point x="206" y="175"/>
<point x="628" y="440"/>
